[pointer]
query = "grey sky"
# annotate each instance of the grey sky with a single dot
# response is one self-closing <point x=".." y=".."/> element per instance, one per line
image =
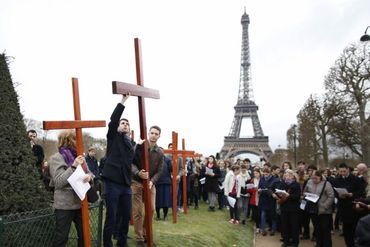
<point x="191" y="54"/>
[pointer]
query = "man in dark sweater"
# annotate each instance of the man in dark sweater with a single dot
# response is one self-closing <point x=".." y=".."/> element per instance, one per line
<point x="117" y="176"/>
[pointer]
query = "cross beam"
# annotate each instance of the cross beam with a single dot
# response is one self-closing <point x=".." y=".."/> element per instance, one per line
<point x="78" y="125"/>
<point x="141" y="92"/>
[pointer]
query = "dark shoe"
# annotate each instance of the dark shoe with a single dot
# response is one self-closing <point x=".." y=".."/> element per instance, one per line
<point x="272" y="233"/>
<point x="243" y="222"/>
<point x="304" y="237"/>
<point x="196" y="207"/>
<point x="140" y="244"/>
<point x="264" y="233"/>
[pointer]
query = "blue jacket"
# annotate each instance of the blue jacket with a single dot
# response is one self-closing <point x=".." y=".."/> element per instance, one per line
<point x="267" y="186"/>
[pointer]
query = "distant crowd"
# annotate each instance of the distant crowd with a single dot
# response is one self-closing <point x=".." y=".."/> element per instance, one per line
<point x="278" y="199"/>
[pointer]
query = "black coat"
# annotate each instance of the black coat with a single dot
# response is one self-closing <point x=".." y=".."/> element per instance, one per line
<point x="293" y="201"/>
<point x="120" y="152"/>
<point x="211" y="184"/>
<point x="353" y="185"/>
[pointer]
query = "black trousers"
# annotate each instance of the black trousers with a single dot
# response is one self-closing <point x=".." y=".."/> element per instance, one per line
<point x="290" y="227"/>
<point x="323" y="223"/>
<point x="63" y="222"/>
<point x="349" y="229"/>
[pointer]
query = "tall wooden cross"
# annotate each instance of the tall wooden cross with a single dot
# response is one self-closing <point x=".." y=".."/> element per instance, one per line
<point x="77" y="124"/>
<point x="175" y="154"/>
<point x="142" y="92"/>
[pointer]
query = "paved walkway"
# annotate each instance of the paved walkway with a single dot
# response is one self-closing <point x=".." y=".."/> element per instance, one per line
<point x="274" y="241"/>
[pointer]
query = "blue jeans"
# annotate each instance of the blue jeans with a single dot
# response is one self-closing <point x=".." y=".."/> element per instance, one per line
<point x="118" y="202"/>
<point x="268" y="214"/>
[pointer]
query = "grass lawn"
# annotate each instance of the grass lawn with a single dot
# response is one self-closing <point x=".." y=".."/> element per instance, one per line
<point x="199" y="228"/>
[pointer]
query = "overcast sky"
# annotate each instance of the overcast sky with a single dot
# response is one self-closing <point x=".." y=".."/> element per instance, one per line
<point x="191" y="54"/>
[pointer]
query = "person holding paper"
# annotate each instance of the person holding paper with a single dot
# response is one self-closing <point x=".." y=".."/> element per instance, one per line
<point x="232" y="192"/>
<point x="243" y="201"/>
<point x="288" y="193"/>
<point x="345" y="201"/>
<point x="267" y="204"/>
<point x="322" y="222"/>
<point x="67" y="204"/>
<point x="211" y="172"/>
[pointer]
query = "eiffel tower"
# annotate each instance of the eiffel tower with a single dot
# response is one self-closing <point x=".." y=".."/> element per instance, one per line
<point x="245" y="109"/>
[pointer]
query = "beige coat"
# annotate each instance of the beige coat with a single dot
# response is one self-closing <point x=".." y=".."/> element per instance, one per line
<point x="64" y="196"/>
<point x="327" y="198"/>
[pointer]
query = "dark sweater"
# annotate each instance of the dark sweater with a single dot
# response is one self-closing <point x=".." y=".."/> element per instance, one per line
<point x="120" y="152"/>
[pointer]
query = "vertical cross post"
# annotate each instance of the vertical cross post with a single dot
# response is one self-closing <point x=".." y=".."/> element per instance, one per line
<point x="174" y="176"/>
<point x="184" y="182"/>
<point x="141" y="92"/>
<point x="77" y="124"/>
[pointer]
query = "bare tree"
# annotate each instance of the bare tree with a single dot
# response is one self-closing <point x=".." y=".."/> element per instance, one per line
<point x="348" y="91"/>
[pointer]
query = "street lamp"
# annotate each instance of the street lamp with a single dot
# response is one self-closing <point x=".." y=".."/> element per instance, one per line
<point x="294" y="127"/>
<point x="365" y="37"/>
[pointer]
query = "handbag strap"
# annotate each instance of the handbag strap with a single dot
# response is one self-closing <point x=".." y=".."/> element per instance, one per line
<point x="322" y="191"/>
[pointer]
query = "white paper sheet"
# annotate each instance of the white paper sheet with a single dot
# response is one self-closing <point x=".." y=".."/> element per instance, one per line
<point x="209" y="171"/>
<point x="250" y="186"/>
<point x="77" y="183"/>
<point x="303" y="204"/>
<point x="311" y="197"/>
<point x="280" y="191"/>
<point x="202" y="180"/>
<point x="341" y="191"/>
<point x="231" y="201"/>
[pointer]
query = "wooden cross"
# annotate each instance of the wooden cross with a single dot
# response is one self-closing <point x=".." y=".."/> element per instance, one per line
<point x="141" y="92"/>
<point x="77" y="124"/>
<point x="175" y="153"/>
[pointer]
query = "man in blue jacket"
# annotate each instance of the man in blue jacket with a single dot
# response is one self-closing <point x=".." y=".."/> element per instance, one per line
<point x="117" y="176"/>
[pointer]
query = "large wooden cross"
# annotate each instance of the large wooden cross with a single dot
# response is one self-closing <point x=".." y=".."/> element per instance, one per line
<point x="142" y="92"/>
<point x="77" y="124"/>
<point x="175" y="153"/>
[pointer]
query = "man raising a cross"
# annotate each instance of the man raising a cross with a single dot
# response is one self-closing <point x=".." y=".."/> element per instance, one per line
<point x="155" y="169"/>
<point x="117" y="176"/>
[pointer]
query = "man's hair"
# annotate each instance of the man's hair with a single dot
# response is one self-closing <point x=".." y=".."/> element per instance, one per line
<point x="156" y="127"/>
<point x="312" y="167"/>
<point x="266" y="169"/>
<point x="31" y="131"/>
<point x="274" y="167"/>
<point x="343" y="165"/>
<point x="247" y="160"/>
<point x="92" y="148"/>
<point x="124" y="119"/>
<point x="301" y="162"/>
<point x="169" y="144"/>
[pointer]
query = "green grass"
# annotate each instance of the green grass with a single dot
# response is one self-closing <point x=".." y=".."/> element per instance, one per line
<point x="199" y="228"/>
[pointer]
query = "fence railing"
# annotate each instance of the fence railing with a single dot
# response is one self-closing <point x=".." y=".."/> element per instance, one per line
<point x="36" y="228"/>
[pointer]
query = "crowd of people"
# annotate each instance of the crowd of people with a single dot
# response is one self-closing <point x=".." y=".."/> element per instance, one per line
<point x="278" y="199"/>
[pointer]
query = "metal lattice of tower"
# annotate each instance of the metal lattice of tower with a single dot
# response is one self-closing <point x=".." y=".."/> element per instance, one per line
<point x="245" y="109"/>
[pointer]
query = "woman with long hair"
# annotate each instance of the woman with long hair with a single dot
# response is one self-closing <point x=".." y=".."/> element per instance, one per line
<point x="211" y="172"/>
